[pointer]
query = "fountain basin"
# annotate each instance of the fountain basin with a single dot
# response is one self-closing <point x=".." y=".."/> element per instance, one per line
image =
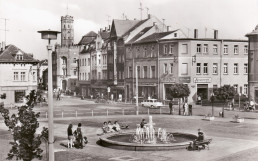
<point x="121" y="141"/>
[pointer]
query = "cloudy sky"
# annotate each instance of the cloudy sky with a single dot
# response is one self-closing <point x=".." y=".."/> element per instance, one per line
<point x="233" y="18"/>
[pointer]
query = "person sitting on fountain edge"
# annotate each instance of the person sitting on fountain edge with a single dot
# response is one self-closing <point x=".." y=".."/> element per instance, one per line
<point x="116" y="126"/>
<point x="200" y="135"/>
<point x="142" y="124"/>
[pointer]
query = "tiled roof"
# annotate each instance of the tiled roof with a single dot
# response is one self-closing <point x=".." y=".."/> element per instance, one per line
<point x="135" y="26"/>
<point x="9" y="55"/>
<point x="154" y="37"/>
<point x="105" y="34"/>
<point x="122" y="26"/>
<point x="88" y="38"/>
<point x="139" y="34"/>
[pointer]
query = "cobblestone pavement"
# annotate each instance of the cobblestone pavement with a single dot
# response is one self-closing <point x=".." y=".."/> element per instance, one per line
<point x="231" y="141"/>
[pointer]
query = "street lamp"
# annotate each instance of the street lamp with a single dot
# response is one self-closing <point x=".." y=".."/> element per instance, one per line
<point x="212" y="100"/>
<point x="50" y="35"/>
<point x="239" y="101"/>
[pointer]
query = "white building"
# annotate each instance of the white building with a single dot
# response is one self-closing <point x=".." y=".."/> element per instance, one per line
<point x="18" y="75"/>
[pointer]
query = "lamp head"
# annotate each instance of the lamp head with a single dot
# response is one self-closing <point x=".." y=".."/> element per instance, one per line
<point x="49" y="34"/>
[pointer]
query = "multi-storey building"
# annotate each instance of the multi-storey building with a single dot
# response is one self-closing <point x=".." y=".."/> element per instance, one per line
<point x="18" y="75"/>
<point x="123" y="31"/>
<point x="65" y="56"/>
<point x="202" y="63"/>
<point x="253" y="64"/>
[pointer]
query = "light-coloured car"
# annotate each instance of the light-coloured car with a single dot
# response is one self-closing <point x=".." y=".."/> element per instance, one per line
<point x="153" y="103"/>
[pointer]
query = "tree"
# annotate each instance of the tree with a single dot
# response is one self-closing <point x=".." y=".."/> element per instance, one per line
<point x="179" y="90"/>
<point x="225" y="93"/>
<point x="25" y="144"/>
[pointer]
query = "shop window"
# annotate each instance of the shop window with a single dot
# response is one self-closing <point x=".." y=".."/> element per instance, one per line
<point x="19" y="96"/>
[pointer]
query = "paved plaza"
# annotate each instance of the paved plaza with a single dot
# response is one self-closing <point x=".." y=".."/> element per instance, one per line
<point x="230" y="141"/>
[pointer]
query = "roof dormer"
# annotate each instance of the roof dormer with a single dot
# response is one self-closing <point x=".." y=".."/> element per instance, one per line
<point x="19" y="55"/>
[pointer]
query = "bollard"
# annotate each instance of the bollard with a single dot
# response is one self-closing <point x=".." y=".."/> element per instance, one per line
<point x="107" y="112"/>
<point x="148" y="111"/>
<point x="46" y="114"/>
<point x="92" y="113"/>
<point x="76" y="113"/>
<point x="62" y="114"/>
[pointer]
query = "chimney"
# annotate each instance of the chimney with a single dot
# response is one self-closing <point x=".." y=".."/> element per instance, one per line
<point x="154" y="23"/>
<point x="149" y="16"/>
<point x="105" y="28"/>
<point x="196" y="33"/>
<point x="3" y="45"/>
<point x="109" y="27"/>
<point x="215" y="34"/>
<point x="168" y="28"/>
<point x="100" y="29"/>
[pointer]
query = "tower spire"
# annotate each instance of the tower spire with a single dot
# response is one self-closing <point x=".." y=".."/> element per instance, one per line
<point x="67" y="8"/>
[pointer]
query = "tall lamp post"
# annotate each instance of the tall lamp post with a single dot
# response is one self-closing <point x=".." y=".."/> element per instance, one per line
<point x="212" y="100"/>
<point x="50" y="35"/>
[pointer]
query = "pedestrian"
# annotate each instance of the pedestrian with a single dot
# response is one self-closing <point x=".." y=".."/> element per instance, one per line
<point x="190" y="106"/>
<point x="171" y="107"/>
<point x="185" y="109"/>
<point x="79" y="136"/>
<point x="70" y="136"/>
<point x="58" y="94"/>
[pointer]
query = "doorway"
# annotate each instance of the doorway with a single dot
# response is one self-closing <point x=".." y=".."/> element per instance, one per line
<point x="64" y="84"/>
<point x="202" y="91"/>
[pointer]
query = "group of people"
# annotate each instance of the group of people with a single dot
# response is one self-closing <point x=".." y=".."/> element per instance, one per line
<point x="200" y="138"/>
<point x="109" y="127"/>
<point x="76" y="138"/>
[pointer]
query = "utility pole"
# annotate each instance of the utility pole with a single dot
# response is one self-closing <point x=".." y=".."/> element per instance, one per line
<point x="108" y="19"/>
<point x="5" y="28"/>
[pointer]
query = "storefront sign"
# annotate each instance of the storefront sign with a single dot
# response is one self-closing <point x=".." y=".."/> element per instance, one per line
<point x="168" y="79"/>
<point x="184" y="79"/>
<point x="202" y="80"/>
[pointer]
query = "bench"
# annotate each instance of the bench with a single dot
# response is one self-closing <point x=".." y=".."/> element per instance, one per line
<point x="198" y="145"/>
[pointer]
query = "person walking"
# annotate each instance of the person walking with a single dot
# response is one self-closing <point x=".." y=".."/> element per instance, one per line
<point x="70" y="136"/>
<point x="171" y="107"/>
<point x="58" y="94"/>
<point x="190" y="106"/>
<point x="185" y="109"/>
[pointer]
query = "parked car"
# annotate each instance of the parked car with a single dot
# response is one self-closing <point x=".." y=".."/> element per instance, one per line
<point x="151" y="103"/>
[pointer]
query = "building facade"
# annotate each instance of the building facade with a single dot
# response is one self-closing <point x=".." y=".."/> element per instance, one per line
<point x="18" y="75"/>
<point x="253" y="65"/>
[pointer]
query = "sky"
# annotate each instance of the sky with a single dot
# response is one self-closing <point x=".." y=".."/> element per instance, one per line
<point x="233" y="18"/>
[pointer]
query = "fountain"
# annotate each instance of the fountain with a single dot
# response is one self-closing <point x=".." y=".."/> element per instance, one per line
<point x="147" y="138"/>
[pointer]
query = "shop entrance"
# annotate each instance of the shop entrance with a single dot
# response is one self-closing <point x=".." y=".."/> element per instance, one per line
<point x="256" y="96"/>
<point x="202" y="91"/>
<point x="64" y="84"/>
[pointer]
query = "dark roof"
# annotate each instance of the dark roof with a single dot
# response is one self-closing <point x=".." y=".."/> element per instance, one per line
<point x="139" y="34"/>
<point x="88" y="38"/>
<point x="207" y="39"/>
<point x="154" y="37"/>
<point x="122" y="26"/>
<point x="134" y="27"/>
<point x="9" y="55"/>
<point x="104" y="34"/>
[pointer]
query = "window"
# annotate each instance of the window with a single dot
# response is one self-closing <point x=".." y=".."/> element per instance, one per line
<point x="171" y="68"/>
<point x="184" y="49"/>
<point x="165" y="49"/>
<point x="205" y="68"/>
<point x="245" y="49"/>
<point x="19" y="57"/>
<point x="19" y="95"/>
<point x="225" y="49"/>
<point x="225" y="68"/>
<point x="152" y="51"/>
<point x="198" y="68"/>
<point x="184" y="69"/>
<point x="145" y="51"/>
<point x="88" y="61"/>
<point x="245" y="88"/>
<point x="74" y="60"/>
<point x="171" y="49"/>
<point x="22" y="76"/>
<point x="215" y="68"/>
<point x="215" y="49"/>
<point x="15" y="76"/>
<point x="89" y="76"/>
<point x="235" y="49"/>
<point x="235" y="87"/>
<point x="74" y="71"/>
<point x="130" y="72"/>
<point x="83" y="76"/>
<point x="165" y="68"/>
<point x="205" y="48"/>
<point x="235" y="68"/>
<point x="144" y="71"/>
<point x="198" y="48"/>
<point x="138" y="71"/>
<point x="175" y="34"/>
<point x="80" y="76"/>
<point x="245" y="68"/>
<point x="152" y="73"/>
<point x="34" y="76"/>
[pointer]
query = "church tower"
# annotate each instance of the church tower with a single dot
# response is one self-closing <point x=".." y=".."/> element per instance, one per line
<point x="67" y="31"/>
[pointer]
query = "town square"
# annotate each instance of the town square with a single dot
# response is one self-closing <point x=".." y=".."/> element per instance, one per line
<point x="128" y="80"/>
